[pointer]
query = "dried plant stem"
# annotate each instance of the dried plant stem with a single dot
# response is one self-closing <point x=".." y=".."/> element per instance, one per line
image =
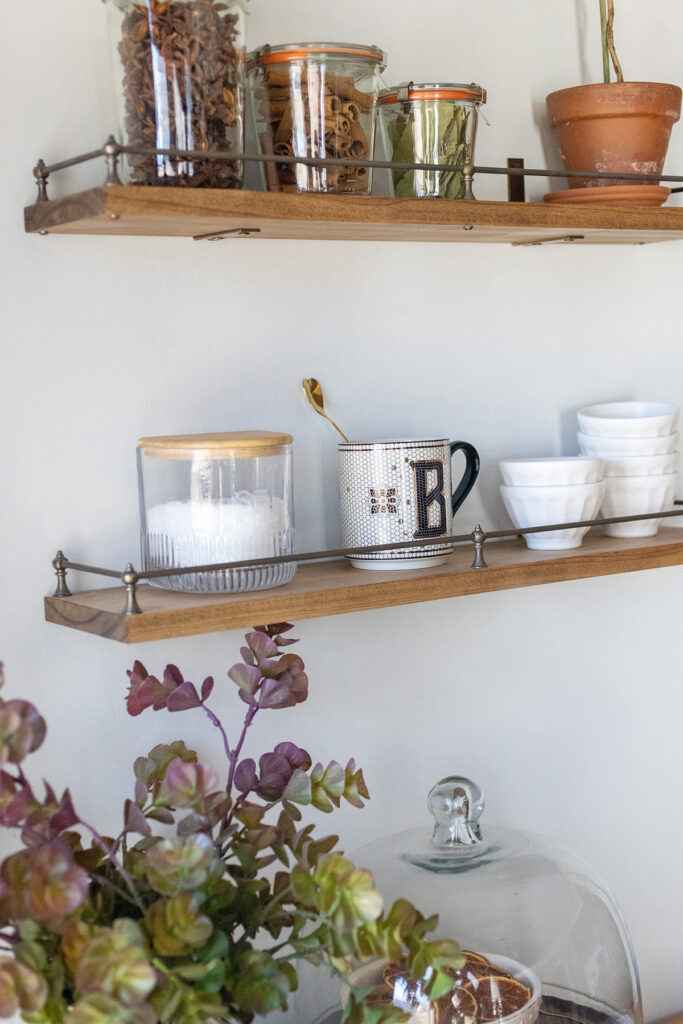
<point x="610" y="41"/>
<point x="605" y="47"/>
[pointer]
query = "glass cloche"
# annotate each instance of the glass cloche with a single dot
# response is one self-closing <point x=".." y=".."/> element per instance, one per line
<point x="532" y="914"/>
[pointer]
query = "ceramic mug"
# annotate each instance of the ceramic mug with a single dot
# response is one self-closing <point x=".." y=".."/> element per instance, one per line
<point x="400" y="491"/>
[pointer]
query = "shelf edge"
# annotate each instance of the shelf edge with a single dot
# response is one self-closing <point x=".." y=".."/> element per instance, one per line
<point x="81" y="612"/>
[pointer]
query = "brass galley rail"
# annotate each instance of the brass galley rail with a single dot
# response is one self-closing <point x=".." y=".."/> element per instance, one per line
<point x="130" y="577"/>
<point x="112" y="152"/>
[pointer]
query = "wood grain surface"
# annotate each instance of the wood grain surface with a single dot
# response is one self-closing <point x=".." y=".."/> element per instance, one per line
<point x="334" y="588"/>
<point x="134" y="210"/>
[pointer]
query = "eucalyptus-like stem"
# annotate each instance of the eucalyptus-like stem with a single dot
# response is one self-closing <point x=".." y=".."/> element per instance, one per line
<point x="215" y="720"/>
<point x="234" y="756"/>
<point x="605" y="47"/>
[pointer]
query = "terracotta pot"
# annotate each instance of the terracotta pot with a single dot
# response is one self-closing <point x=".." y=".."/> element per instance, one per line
<point x="623" y="126"/>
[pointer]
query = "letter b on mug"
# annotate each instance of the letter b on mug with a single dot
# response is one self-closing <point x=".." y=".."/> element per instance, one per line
<point x="398" y="491"/>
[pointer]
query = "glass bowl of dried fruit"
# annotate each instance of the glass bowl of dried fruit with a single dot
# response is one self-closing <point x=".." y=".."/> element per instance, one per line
<point x="486" y="989"/>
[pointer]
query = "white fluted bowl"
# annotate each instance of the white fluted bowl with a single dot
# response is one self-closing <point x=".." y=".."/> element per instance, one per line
<point x="641" y="465"/>
<point x="544" y="506"/>
<point x="605" y="447"/>
<point x="629" y="419"/>
<point x="551" y="472"/>
<point x="634" y="496"/>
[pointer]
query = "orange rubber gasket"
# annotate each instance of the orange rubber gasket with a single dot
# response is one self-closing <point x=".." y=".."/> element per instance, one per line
<point x="432" y="94"/>
<point x="287" y="55"/>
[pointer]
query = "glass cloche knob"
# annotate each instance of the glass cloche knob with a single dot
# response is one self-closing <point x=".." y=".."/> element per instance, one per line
<point x="456" y="804"/>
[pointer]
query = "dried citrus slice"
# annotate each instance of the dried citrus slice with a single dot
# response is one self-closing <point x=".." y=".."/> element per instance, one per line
<point x="405" y="991"/>
<point x="458" y="1007"/>
<point x="469" y="974"/>
<point x="475" y="958"/>
<point x="394" y="969"/>
<point x="498" y="996"/>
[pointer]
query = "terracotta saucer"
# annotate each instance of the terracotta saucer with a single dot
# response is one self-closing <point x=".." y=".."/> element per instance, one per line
<point x="619" y="195"/>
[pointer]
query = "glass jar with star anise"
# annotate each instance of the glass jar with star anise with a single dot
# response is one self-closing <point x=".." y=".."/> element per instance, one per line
<point x="179" y="75"/>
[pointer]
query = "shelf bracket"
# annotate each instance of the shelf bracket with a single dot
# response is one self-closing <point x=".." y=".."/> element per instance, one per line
<point x="516" y="185"/>
<point x="218" y="236"/>
<point x="551" y="241"/>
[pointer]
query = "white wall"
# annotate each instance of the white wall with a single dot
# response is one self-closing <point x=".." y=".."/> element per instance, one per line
<point x="564" y="702"/>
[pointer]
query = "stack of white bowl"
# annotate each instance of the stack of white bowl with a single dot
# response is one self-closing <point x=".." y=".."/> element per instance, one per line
<point x="542" y="492"/>
<point x="638" y="442"/>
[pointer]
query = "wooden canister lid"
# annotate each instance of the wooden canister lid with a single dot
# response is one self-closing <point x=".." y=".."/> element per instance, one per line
<point x="240" y="444"/>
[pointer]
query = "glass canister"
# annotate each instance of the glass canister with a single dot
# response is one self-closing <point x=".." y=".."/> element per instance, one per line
<point x="215" y="498"/>
<point x="179" y="76"/>
<point x="430" y="124"/>
<point x="316" y="100"/>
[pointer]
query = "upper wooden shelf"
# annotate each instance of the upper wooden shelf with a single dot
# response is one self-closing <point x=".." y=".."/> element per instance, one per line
<point x="333" y="588"/>
<point x="180" y="212"/>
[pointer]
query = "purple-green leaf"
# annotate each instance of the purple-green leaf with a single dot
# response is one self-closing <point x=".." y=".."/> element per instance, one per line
<point x="261" y="645"/>
<point x="247" y="677"/>
<point x="184" y="698"/>
<point x="245" y="775"/>
<point x="135" y="821"/>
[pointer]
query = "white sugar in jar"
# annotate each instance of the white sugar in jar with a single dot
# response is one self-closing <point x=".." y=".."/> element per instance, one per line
<point x="209" y="499"/>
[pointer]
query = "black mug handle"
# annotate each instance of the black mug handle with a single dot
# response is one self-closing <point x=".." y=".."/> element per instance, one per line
<point x="471" y="471"/>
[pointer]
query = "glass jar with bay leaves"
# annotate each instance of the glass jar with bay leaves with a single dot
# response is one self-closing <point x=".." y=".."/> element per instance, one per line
<point x="179" y="75"/>
<point x="430" y="124"/>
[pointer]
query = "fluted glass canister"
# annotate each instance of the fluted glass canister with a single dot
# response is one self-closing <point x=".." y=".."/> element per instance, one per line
<point x="316" y="100"/>
<point x="208" y="499"/>
<point x="179" y="77"/>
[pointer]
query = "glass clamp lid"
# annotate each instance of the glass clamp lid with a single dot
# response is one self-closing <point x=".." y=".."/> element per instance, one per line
<point x="409" y="92"/>
<point x="286" y="52"/>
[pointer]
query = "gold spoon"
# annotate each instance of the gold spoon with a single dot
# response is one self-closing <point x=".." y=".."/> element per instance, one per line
<point x="314" y="397"/>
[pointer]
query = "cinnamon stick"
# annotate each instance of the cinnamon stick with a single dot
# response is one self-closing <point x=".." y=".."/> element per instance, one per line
<point x="360" y="148"/>
<point x="286" y="126"/>
<point x="345" y="87"/>
<point x="351" y="110"/>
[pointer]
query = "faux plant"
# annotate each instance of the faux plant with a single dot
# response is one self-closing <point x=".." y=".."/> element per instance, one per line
<point x="608" y="49"/>
<point x="213" y="891"/>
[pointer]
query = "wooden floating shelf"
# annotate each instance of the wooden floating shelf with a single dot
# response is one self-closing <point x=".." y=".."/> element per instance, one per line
<point x="183" y="212"/>
<point x="334" y="588"/>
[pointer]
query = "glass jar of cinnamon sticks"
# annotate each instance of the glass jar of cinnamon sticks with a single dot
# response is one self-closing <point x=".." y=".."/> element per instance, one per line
<point x="316" y="100"/>
<point x="179" y="72"/>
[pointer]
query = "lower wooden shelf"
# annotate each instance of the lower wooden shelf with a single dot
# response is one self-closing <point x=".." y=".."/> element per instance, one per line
<point x="334" y="588"/>
<point x="182" y="212"/>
